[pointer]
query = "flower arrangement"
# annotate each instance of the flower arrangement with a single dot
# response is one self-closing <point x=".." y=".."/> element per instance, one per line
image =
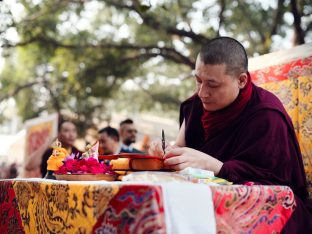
<point x="83" y="166"/>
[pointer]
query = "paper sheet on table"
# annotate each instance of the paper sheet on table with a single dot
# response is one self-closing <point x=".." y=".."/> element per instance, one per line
<point x="188" y="208"/>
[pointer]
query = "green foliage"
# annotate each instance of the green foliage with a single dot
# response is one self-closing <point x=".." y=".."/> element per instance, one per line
<point x="74" y="57"/>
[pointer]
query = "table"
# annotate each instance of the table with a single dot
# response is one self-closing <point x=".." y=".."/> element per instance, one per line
<point x="47" y="206"/>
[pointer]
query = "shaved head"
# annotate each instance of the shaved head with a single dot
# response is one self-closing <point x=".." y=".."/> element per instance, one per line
<point x="228" y="51"/>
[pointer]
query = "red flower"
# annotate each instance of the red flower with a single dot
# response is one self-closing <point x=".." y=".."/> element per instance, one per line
<point x="83" y="166"/>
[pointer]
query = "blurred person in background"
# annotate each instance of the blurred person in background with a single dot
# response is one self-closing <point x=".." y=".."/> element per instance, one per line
<point x="67" y="134"/>
<point x="109" y="141"/>
<point x="2" y="170"/>
<point x="128" y="134"/>
<point x="12" y="171"/>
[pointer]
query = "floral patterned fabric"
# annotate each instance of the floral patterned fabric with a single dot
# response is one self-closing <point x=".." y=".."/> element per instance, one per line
<point x="252" y="209"/>
<point x="291" y="70"/>
<point x="292" y="84"/>
<point x="135" y="209"/>
<point x="43" y="206"/>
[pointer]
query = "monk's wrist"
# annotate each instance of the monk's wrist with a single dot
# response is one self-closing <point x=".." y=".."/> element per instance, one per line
<point x="218" y="167"/>
<point x="214" y="166"/>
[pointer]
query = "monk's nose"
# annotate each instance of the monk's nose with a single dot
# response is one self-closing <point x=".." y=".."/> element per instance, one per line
<point x="203" y="92"/>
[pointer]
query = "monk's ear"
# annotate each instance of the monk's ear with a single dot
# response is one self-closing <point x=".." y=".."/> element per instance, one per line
<point x="242" y="80"/>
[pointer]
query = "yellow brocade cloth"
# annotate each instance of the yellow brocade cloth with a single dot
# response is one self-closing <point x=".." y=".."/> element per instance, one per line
<point x="48" y="207"/>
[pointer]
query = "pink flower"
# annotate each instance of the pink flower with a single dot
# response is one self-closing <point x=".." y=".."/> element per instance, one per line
<point x="83" y="166"/>
<point x="69" y="157"/>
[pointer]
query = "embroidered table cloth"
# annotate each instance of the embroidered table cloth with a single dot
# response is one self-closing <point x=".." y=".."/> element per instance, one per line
<point x="48" y="206"/>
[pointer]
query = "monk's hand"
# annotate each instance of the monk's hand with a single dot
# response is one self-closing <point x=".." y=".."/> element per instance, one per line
<point x="183" y="157"/>
<point x="155" y="149"/>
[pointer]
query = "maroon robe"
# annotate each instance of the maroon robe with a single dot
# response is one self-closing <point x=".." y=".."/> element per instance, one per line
<point x="259" y="146"/>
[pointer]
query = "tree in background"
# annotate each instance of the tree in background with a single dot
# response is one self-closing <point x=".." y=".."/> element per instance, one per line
<point x="87" y="58"/>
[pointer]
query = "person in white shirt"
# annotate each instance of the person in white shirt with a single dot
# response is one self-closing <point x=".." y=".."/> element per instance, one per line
<point x="128" y="133"/>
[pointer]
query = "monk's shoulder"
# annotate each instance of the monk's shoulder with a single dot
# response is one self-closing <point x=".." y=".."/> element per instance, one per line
<point x="264" y="101"/>
<point x="266" y="117"/>
<point x="190" y="108"/>
<point x="190" y="103"/>
<point x="190" y="100"/>
<point x="264" y="98"/>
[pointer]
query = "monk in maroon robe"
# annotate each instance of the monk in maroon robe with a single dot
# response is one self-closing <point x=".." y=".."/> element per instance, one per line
<point x="239" y="131"/>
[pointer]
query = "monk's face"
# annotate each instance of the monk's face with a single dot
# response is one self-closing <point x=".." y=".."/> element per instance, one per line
<point x="215" y="88"/>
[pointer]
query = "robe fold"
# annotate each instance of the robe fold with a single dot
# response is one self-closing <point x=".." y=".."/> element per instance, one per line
<point x="259" y="146"/>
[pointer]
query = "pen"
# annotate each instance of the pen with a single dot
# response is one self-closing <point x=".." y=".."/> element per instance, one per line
<point x="163" y="141"/>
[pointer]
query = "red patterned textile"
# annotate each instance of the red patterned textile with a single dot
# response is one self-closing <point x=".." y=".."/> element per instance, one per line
<point x="252" y="209"/>
<point x="294" y="69"/>
<point x="10" y="219"/>
<point x="134" y="209"/>
<point x="127" y="208"/>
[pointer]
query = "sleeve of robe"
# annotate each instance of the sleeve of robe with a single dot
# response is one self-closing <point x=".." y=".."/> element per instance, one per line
<point x="266" y="153"/>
